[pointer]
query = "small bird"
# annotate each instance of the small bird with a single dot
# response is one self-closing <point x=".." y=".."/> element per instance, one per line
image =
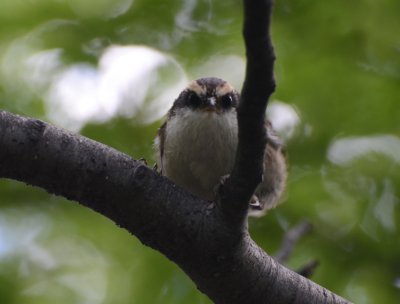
<point x="196" y="145"/>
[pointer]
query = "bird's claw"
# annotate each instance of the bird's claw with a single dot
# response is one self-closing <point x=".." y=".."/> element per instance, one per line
<point x="254" y="203"/>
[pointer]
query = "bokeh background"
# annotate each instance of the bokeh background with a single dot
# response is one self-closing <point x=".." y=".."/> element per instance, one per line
<point x="110" y="69"/>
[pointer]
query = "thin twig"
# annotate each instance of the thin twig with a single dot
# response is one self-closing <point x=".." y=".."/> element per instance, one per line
<point x="290" y="240"/>
<point x="308" y="269"/>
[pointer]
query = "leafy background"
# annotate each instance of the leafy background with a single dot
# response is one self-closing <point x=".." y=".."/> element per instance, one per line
<point x="110" y="69"/>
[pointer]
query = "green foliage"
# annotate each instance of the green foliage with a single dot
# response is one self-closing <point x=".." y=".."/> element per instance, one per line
<point x="337" y="65"/>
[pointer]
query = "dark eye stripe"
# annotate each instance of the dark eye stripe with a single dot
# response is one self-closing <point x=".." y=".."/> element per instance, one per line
<point x="226" y="101"/>
<point x="193" y="100"/>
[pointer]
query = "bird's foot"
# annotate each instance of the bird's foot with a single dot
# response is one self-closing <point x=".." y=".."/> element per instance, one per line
<point x="254" y="203"/>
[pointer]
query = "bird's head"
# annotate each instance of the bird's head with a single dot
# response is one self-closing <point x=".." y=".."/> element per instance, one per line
<point x="208" y="95"/>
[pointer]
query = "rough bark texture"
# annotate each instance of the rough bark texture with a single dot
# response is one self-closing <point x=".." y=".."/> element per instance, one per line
<point x="208" y="240"/>
<point x="219" y="256"/>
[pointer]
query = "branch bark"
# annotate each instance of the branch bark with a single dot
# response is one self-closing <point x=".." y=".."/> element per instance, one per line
<point x="224" y="262"/>
<point x="199" y="236"/>
<point x="259" y="84"/>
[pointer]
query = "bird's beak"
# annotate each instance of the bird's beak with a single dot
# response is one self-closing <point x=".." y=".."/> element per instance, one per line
<point x="210" y="104"/>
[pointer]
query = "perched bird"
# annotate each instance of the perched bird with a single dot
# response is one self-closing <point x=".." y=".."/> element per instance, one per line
<point x="196" y="145"/>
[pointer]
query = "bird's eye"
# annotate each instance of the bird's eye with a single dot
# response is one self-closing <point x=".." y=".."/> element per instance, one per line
<point x="194" y="100"/>
<point x="226" y="101"/>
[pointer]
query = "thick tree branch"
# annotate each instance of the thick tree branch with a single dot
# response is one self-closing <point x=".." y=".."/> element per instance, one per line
<point x="258" y="86"/>
<point x="224" y="263"/>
